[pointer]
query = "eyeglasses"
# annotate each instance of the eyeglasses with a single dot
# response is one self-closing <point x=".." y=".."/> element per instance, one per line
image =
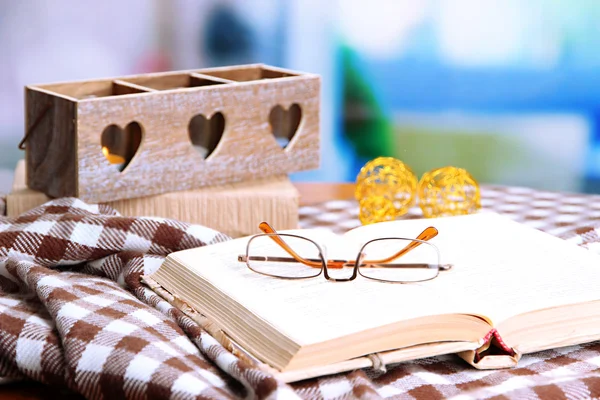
<point x="288" y="256"/>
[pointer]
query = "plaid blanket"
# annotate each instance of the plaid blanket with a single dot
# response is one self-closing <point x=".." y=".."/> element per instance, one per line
<point x="73" y="314"/>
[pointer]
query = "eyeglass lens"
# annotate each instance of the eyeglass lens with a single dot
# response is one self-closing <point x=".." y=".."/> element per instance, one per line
<point x="378" y="260"/>
<point x="267" y="257"/>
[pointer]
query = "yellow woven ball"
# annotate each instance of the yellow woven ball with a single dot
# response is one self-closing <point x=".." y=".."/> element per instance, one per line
<point x="448" y="191"/>
<point x="385" y="190"/>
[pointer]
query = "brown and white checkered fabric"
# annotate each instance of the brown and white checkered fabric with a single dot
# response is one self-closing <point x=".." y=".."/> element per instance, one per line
<point x="74" y="314"/>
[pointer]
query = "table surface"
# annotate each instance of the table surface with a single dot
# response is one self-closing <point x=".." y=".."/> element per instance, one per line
<point x="310" y="193"/>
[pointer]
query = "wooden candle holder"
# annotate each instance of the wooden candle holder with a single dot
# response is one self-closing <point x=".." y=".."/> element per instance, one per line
<point x="135" y="136"/>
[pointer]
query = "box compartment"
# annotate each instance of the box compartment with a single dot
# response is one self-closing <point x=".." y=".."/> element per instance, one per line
<point x="93" y="89"/>
<point x="247" y="73"/>
<point x="175" y="81"/>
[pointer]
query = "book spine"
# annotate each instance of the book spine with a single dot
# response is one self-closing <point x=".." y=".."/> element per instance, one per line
<point x="493" y="353"/>
<point x="493" y="344"/>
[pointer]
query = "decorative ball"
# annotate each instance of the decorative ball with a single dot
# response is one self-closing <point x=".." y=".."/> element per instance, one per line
<point x="448" y="191"/>
<point x="385" y="190"/>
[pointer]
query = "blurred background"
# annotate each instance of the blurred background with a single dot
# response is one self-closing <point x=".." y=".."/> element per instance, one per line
<point x="507" y="89"/>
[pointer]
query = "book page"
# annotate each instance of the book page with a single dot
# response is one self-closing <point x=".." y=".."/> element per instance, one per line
<point x="501" y="268"/>
<point x="314" y="310"/>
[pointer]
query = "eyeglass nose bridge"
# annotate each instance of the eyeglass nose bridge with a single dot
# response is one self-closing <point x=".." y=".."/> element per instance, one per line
<point x="344" y="263"/>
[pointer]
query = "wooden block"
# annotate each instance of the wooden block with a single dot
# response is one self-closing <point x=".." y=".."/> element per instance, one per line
<point x="234" y="209"/>
<point x="142" y="135"/>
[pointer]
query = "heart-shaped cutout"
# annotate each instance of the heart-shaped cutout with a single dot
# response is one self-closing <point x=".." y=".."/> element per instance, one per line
<point x="119" y="145"/>
<point x="206" y="133"/>
<point x="284" y="123"/>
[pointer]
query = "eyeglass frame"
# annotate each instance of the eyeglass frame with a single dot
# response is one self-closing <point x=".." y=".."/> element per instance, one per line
<point x="345" y="263"/>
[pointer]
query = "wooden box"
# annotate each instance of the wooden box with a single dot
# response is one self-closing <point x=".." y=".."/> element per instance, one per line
<point x="234" y="209"/>
<point x="135" y="136"/>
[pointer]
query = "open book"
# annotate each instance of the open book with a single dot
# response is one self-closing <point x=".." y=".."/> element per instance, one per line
<point x="512" y="290"/>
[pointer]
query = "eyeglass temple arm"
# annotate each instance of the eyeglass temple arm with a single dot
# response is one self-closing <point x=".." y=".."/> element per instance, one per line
<point x="266" y="228"/>
<point x="442" y="267"/>
<point x="427" y="234"/>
